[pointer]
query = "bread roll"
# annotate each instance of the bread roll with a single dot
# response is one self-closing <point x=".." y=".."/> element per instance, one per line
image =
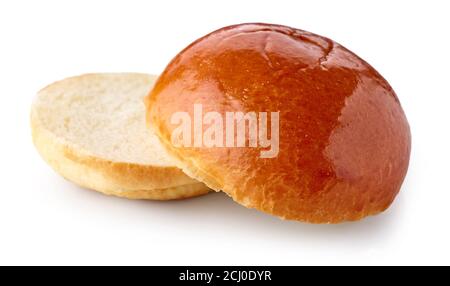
<point x="344" y="140"/>
<point x="91" y="129"/>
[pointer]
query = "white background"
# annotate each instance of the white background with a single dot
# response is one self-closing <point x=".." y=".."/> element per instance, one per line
<point x="47" y="220"/>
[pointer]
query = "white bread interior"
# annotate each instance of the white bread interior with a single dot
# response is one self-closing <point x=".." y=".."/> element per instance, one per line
<point x="92" y="130"/>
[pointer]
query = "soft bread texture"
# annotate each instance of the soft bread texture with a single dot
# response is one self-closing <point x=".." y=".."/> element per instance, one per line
<point x="91" y="129"/>
<point x="344" y="138"/>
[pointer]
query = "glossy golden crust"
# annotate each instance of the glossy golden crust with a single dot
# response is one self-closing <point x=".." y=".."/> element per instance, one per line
<point x="344" y="139"/>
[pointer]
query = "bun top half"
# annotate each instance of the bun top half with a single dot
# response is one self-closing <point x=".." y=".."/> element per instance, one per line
<point x="344" y="141"/>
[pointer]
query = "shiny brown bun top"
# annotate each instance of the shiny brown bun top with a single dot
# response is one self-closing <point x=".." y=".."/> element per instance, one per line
<point x="344" y="141"/>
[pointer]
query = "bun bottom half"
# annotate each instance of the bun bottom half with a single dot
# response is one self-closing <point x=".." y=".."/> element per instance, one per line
<point x="138" y="172"/>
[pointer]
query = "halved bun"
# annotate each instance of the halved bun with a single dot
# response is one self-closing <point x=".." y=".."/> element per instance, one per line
<point x="91" y="129"/>
<point x="344" y="140"/>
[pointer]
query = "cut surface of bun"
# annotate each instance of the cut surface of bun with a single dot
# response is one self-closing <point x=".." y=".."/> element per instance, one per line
<point x="344" y="140"/>
<point x="91" y="129"/>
